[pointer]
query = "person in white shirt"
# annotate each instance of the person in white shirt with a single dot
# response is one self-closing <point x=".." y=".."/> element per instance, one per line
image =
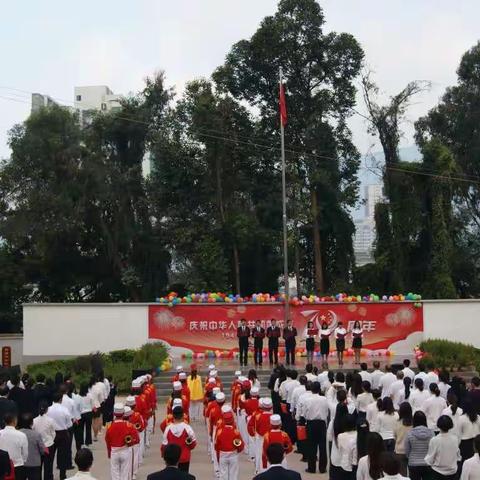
<point x="431" y="377"/>
<point x="373" y="410"/>
<point x="86" y="414"/>
<point x="15" y="443"/>
<point x="340" y="334"/>
<point x="370" y="466"/>
<point x="291" y="385"/>
<point x="443" y="385"/>
<point x="341" y="397"/>
<point x="365" y="398"/>
<point x="421" y="372"/>
<point x="311" y="377"/>
<point x="364" y="373"/>
<point x="302" y="402"/>
<point x="356" y="388"/>
<point x="386" y="382"/>
<point x="433" y="407"/>
<point x="335" y="428"/>
<point x="443" y="452"/>
<point x="471" y="467"/>
<point x="309" y="335"/>
<point x="324" y="379"/>
<point x="468" y="429"/>
<point x="97" y="390"/>
<point x="84" y="462"/>
<point x="297" y="391"/>
<point x="418" y="396"/>
<point x="45" y="426"/>
<point x="324" y="334"/>
<point x="338" y="384"/>
<point x="347" y="446"/>
<point x="387" y="424"/>
<point x="397" y="388"/>
<point x="377" y="374"/>
<point x="454" y="412"/>
<point x="391" y="467"/>
<point x="407" y="371"/>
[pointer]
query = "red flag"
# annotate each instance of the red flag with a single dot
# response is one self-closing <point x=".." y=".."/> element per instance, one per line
<point x="283" y="105"/>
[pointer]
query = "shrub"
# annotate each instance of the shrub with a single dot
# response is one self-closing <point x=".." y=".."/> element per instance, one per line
<point x="126" y="355"/>
<point x="448" y="355"/>
<point x="150" y="355"/>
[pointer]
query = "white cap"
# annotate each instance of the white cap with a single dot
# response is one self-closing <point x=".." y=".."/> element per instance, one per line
<point x="254" y="391"/>
<point x="177" y="386"/>
<point x="238" y="373"/>
<point x="213" y="373"/>
<point x="275" y="420"/>
<point x="118" y="409"/>
<point x="216" y="390"/>
<point x="242" y="378"/>
<point x="226" y="408"/>
<point x="177" y="402"/>
<point x="211" y="380"/>
<point x="127" y="412"/>
<point x="182" y="376"/>
<point x="148" y="376"/>
<point x="136" y="383"/>
<point x="179" y="368"/>
<point x="130" y="400"/>
<point x="211" y="366"/>
<point x="266" y="403"/>
<point x="220" y="397"/>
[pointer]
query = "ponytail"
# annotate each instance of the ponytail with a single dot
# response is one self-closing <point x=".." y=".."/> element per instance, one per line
<point x="434" y="389"/>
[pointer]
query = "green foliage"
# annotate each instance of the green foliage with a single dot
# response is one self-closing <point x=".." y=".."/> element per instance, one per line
<point x="449" y="355"/>
<point x="118" y="364"/>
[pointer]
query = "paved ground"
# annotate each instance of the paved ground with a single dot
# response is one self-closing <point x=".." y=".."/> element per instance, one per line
<point x="200" y="466"/>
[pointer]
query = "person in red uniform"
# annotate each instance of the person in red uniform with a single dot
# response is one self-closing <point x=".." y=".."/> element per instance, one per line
<point x="276" y="435"/>
<point x="120" y="438"/>
<point x="218" y="382"/>
<point x="177" y="393"/>
<point x="228" y="445"/>
<point x="177" y="402"/>
<point x="182" y="377"/>
<point x="178" y="370"/>
<point x="181" y="434"/>
<point x="258" y="426"/>
<point x="243" y="334"/>
<point x="236" y="390"/>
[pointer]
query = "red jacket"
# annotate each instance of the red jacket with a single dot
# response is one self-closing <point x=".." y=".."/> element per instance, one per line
<point x="275" y="436"/>
<point x="259" y="423"/>
<point x="142" y="406"/>
<point x="186" y="390"/>
<point x="228" y="439"/>
<point x="182" y="435"/>
<point x="185" y="404"/>
<point x="138" y="421"/>
<point x="215" y="415"/>
<point x="169" y="419"/>
<point x="236" y="392"/>
<point x="250" y="405"/>
<point x="120" y="433"/>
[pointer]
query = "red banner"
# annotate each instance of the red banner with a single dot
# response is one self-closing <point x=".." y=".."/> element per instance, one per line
<point x="196" y="328"/>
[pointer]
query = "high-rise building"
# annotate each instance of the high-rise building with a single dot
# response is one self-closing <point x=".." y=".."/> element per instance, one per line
<point x="90" y="99"/>
<point x="373" y="195"/>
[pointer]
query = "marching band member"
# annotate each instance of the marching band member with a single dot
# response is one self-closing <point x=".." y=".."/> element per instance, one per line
<point x="289" y="335"/>
<point x="258" y="334"/>
<point x="273" y="334"/>
<point x="214" y="416"/>
<point x="340" y="334"/>
<point x="242" y="416"/>
<point x="250" y="407"/>
<point x="325" y="333"/>
<point x="194" y="383"/>
<point x="310" y="333"/>
<point x="120" y="437"/>
<point x="182" y="377"/>
<point x="258" y="426"/>
<point x="357" y="334"/>
<point x="177" y="393"/>
<point x="139" y="423"/>
<point x="236" y="391"/>
<point x="177" y="402"/>
<point x="127" y="414"/>
<point x="181" y="434"/>
<point x="214" y="374"/>
<point x="179" y="369"/>
<point x="228" y="445"/>
<point x="276" y="435"/>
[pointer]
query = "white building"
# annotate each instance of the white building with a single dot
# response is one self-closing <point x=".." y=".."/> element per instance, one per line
<point x="373" y="195"/>
<point x="39" y="100"/>
<point x="93" y="99"/>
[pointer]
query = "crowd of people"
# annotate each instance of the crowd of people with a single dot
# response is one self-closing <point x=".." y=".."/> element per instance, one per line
<point x="366" y="424"/>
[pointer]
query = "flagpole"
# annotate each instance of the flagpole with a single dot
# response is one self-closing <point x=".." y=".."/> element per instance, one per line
<point x="284" y="203"/>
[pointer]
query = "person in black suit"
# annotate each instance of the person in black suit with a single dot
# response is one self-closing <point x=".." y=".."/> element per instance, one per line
<point x="19" y="396"/>
<point x="243" y="334"/>
<point x="41" y="392"/>
<point x="6" y="406"/>
<point x="289" y="335"/>
<point x="171" y="456"/>
<point x="273" y="334"/>
<point x="258" y="334"/>
<point x="275" y="456"/>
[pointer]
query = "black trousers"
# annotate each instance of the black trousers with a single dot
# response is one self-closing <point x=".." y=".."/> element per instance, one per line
<point x="47" y="464"/>
<point x="71" y="431"/>
<point x="273" y="351"/>
<point x="258" y="351"/>
<point x="317" y="442"/>
<point x="423" y="472"/>
<point x="290" y="353"/>
<point x="86" y="423"/>
<point x="28" y="473"/>
<point x="184" y="467"/>
<point x="243" y="349"/>
<point x="62" y="446"/>
<point x="78" y="434"/>
<point x="438" y="476"/>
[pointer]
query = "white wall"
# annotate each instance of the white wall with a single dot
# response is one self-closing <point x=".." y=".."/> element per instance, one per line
<point x="456" y="320"/>
<point x="64" y="329"/>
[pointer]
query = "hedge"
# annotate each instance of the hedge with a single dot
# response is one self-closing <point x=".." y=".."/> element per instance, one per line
<point x="118" y="363"/>
<point x="449" y="355"/>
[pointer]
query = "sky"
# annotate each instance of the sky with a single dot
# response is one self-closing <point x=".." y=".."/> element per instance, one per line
<point x="52" y="46"/>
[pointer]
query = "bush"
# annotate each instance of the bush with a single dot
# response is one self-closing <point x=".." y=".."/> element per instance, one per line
<point x="118" y="364"/>
<point x="449" y="355"/>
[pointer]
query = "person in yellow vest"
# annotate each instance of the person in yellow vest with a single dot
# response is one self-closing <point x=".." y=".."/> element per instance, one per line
<point x="195" y="386"/>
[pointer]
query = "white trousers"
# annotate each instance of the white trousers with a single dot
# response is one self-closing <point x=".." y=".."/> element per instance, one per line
<point x="195" y="410"/>
<point x="228" y="465"/>
<point x="121" y="463"/>
<point x="242" y="427"/>
<point x="147" y="431"/>
<point x="141" y="451"/>
<point x="136" y="458"/>
<point x="258" y="453"/>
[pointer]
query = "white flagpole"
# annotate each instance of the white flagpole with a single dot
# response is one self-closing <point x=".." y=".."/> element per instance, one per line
<point x="284" y="203"/>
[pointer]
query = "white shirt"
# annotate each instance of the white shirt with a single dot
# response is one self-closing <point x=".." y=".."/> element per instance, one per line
<point x="443" y="453"/>
<point x="61" y="416"/>
<point x="386" y="425"/>
<point x="366" y="376"/>
<point x="289" y="389"/>
<point x="467" y="429"/>
<point x="340" y="331"/>
<point x="82" y="476"/>
<point x="418" y="398"/>
<point x="45" y="426"/>
<point x="323" y="380"/>
<point x="431" y="377"/>
<point x="433" y="408"/>
<point x="423" y="376"/>
<point x="455" y="418"/>
<point x="471" y="468"/>
<point x="394" y="477"/>
<point x="282" y="388"/>
<point x="372" y="416"/>
<point x="106" y="382"/>
<point x="331" y="394"/>
<point x="77" y="406"/>
<point x="347" y="445"/>
<point x="395" y="392"/>
<point x="295" y="396"/>
<point x="86" y="404"/>
<point x="335" y="457"/>
<point x="311" y="377"/>
<point x="69" y="404"/>
<point x="386" y="382"/>
<point x="316" y="408"/>
<point x="363" y="401"/>
<point x="16" y="444"/>
<point x="325" y="332"/>
<point x="376" y="376"/>
<point x="302" y="400"/>
<point x="444" y="388"/>
<point x="333" y="406"/>
<point x="98" y="394"/>
<point x="363" y="469"/>
<point x="408" y="372"/>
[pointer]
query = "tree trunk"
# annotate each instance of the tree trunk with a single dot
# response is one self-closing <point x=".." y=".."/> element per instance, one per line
<point x="317" y="250"/>
<point x="236" y="267"/>
<point x="297" y="263"/>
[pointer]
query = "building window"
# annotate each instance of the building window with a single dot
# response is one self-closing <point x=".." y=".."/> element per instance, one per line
<point x="79" y="98"/>
<point x="104" y="106"/>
